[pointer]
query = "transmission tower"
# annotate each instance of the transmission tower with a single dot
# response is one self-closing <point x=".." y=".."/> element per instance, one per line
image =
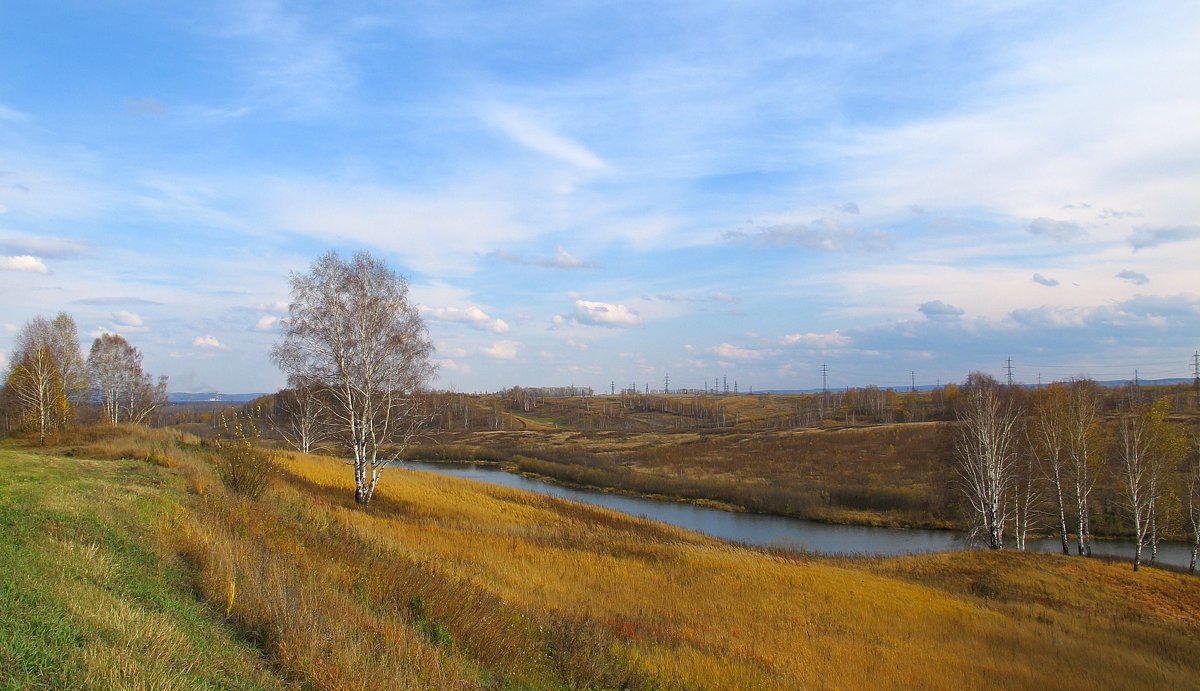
<point x="1009" y="368"/>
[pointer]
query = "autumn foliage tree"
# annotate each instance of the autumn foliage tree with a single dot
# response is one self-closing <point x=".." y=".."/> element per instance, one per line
<point x="46" y="377"/>
<point x="352" y="335"/>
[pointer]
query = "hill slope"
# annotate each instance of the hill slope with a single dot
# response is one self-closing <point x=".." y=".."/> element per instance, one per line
<point x="443" y="583"/>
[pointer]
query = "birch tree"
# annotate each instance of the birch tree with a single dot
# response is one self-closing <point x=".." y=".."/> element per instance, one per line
<point x="296" y="415"/>
<point x="1147" y="446"/>
<point x="1084" y="443"/>
<point x="1047" y="434"/>
<point x="124" y="390"/>
<point x="987" y="458"/>
<point x="352" y="332"/>
<point x="1193" y="497"/>
<point x="46" y="373"/>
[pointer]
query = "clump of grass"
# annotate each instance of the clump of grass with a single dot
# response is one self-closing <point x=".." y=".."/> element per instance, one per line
<point x="242" y="463"/>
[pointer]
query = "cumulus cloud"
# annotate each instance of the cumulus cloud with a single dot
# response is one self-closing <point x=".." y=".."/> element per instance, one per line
<point x="1145" y="236"/>
<point x="823" y="234"/>
<point x="938" y="311"/>
<point x="1059" y="231"/>
<point x="608" y="315"/>
<point x="560" y="259"/>
<point x="833" y="339"/>
<point x="1137" y="277"/>
<point x="472" y="316"/>
<point x="266" y="322"/>
<point x="1042" y="280"/>
<point x="127" y="318"/>
<point x="23" y="262"/>
<point x="208" y="341"/>
<point x="501" y="350"/>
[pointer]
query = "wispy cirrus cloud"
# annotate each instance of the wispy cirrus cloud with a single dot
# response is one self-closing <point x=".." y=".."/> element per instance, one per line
<point x="525" y="130"/>
<point x="823" y="234"/>
<point x="41" y="245"/>
<point x="559" y="259"/>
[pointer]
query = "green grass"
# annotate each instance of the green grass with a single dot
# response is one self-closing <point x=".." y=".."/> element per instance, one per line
<point x="87" y="599"/>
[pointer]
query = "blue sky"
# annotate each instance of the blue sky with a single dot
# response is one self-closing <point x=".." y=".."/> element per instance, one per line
<point x="583" y="193"/>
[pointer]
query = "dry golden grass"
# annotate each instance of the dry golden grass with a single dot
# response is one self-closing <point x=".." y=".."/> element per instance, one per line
<point x="698" y="613"/>
<point x="445" y="583"/>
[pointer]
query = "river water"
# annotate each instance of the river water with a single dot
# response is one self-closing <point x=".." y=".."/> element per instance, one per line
<point x="777" y="531"/>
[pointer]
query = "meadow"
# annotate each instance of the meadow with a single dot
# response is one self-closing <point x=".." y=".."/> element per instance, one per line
<point x="130" y="564"/>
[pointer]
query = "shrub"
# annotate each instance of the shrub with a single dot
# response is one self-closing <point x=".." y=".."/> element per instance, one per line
<point x="243" y="465"/>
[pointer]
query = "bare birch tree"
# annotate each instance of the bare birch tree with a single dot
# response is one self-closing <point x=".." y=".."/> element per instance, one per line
<point x="987" y="458"/>
<point x="1147" y="447"/>
<point x="296" y="415"/>
<point x="1047" y="444"/>
<point x="1193" y="497"/>
<point x="1084" y="452"/>
<point x="124" y="390"/>
<point x="352" y="332"/>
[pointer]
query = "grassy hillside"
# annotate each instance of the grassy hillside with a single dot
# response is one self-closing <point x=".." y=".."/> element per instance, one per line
<point x="147" y="572"/>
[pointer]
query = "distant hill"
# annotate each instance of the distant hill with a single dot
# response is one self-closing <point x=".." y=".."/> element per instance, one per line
<point x="211" y="397"/>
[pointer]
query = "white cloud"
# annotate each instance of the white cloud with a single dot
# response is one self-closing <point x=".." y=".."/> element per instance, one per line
<point x="127" y="318"/>
<point x="501" y="350"/>
<point x="604" y="314"/>
<point x="23" y="262"/>
<point x="472" y="316"/>
<point x="824" y="234"/>
<point x="1043" y="280"/>
<point x="823" y="341"/>
<point x="732" y="352"/>
<point x="207" y="341"/>
<point x="542" y="139"/>
<point x="560" y="259"/>
<point x="266" y="322"/>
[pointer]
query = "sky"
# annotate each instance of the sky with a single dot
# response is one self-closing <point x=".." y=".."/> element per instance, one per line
<point x="616" y="193"/>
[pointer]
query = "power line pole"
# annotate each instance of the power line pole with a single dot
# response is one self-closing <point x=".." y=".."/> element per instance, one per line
<point x="667" y="383"/>
<point x="1196" y="370"/>
<point x="1009" y="368"/>
<point x="913" y="373"/>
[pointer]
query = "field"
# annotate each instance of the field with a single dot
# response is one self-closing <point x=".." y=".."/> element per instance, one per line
<point x="125" y="543"/>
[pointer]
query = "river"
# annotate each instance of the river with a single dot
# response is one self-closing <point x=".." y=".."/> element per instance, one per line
<point x="778" y="531"/>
